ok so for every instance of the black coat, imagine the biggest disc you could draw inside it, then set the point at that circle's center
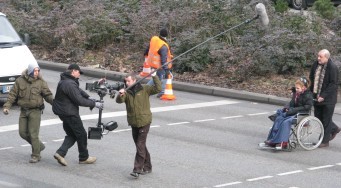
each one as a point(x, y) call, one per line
point(330, 83)
point(303, 104)
point(69, 96)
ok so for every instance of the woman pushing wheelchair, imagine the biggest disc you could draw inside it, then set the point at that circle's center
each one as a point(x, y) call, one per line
point(301, 102)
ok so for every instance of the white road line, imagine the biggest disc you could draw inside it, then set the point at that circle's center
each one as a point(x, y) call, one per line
point(6, 148)
point(58, 140)
point(178, 123)
point(203, 120)
point(256, 114)
point(228, 184)
point(338, 164)
point(288, 173)
point(7, 184)
point(25, 145)
point(229, 117)
point(123, 113)
point(320, 167)
point(259, 178)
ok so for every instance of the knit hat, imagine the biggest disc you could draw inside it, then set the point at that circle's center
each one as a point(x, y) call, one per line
point(31, 67)
point(163, 33)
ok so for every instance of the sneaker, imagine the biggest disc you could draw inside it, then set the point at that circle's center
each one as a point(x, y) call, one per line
point(144, 172)
point(159, 95)
point(90, 160)
point(135, 174)
point(60, 159)
point(282, 145)
point(34, 159)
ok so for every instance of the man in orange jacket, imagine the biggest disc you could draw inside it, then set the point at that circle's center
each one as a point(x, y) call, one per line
point(158, 54)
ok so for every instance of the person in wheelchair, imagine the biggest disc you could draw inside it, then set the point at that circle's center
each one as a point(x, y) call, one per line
point(301, 102)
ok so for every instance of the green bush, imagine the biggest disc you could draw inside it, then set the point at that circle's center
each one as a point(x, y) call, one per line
point(325, 8)
point(99, 32)
point(195, 61)
point(281, 6)
point(296, 23)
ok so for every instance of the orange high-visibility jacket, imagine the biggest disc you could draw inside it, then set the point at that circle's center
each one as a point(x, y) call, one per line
point(154, 58)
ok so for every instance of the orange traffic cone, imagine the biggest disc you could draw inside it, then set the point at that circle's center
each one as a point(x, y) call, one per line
point(168, 95)
point(146, 69)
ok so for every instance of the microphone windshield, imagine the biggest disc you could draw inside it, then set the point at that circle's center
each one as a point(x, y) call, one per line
point(261, 12)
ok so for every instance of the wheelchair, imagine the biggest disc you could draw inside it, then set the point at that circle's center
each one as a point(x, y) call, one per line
point(306, 131)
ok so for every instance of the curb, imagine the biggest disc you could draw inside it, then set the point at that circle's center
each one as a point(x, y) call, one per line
point(180, 86)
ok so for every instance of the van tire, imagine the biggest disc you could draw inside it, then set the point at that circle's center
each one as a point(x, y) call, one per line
point(298, 4)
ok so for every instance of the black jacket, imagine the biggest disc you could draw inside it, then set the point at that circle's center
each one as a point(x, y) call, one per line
point(69, 96)
point(330, 83)
point(303, 104)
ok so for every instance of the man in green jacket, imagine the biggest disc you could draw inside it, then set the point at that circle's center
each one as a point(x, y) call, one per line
point(29, 91)
point(139, 118)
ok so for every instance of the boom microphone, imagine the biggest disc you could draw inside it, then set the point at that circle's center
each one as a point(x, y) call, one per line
point(261, 12)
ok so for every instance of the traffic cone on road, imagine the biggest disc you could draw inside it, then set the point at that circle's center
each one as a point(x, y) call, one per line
point(168, 95)
point(146, 68)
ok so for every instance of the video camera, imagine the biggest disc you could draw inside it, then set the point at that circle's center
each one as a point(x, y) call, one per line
point(102, 87)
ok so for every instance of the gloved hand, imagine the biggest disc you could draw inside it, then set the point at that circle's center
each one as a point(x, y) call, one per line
point(93, 99)
point(112, 94)
point(99, 105)
point(6, 111)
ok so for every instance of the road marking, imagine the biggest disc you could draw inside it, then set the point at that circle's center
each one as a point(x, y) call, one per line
point(256, 114)
point(58, 140)
point(228, 184)
point(25, 145)
point(203, 120)
point(319, 167)
point(338, 164)
point(178, 123)
point(7, 184)
point(124, 113)
point(259, 178)
point(229, 117)
point(288, 173)
point(6, 148)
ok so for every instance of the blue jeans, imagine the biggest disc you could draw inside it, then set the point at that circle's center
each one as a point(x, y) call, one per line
point(162, 76)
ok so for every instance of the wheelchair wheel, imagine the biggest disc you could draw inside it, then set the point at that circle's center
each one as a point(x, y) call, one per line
point(310, 133)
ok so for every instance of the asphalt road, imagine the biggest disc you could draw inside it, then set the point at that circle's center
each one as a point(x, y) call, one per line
point(195, 141)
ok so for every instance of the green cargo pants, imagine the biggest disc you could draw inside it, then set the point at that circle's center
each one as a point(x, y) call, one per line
point(29, 126)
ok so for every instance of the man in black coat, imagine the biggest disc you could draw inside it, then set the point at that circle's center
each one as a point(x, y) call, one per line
point(66, 105)
point(324, 85)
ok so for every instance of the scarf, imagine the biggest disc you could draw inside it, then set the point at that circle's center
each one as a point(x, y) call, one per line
point(297, 95)
point(319, 76)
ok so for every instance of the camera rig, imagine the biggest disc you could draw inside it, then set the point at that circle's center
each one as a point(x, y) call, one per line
point(102, 87)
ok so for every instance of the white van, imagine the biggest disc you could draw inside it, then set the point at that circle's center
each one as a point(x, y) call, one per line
point(14, 56)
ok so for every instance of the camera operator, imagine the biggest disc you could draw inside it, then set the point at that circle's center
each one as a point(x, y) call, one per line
point(69, 96)
point(139, 118)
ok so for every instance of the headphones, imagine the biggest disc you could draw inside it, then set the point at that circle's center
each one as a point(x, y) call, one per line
point(304, 80)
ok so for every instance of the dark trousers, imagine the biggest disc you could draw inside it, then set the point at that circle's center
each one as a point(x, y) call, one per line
point(325, 114)
point(142, 157)
point(75, 132)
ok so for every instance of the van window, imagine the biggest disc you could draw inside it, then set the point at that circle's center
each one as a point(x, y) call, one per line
point(7, 32)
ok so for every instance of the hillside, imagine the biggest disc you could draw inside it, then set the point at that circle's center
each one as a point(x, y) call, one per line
point(113, 35)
